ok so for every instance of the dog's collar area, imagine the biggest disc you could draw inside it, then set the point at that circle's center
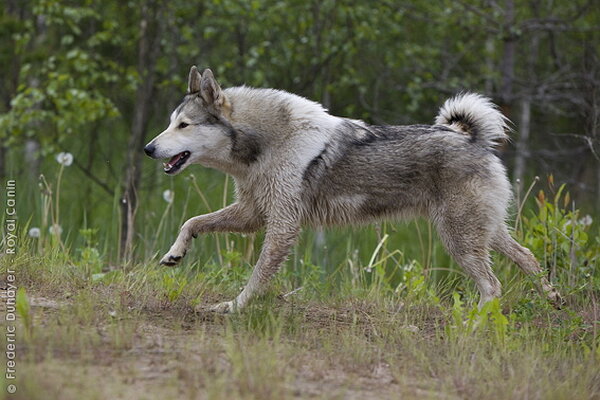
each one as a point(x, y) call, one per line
point(176, 162)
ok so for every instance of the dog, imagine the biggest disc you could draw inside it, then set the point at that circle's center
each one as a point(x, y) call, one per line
point(296, 165)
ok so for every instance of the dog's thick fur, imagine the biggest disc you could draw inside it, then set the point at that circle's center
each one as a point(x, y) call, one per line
point(294, 164)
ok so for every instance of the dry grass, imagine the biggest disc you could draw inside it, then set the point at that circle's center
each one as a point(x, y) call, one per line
point(127, 340)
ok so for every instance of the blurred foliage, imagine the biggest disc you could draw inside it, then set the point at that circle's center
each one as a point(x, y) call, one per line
point(61, 74)
point(76, 62)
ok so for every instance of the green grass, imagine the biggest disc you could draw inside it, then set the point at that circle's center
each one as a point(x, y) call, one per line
point(132, 333)
point(375, 312)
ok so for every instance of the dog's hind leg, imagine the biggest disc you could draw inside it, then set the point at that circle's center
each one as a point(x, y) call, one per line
point(476, 263)
point(233, 218)
point(466, 239)
point(503, 243)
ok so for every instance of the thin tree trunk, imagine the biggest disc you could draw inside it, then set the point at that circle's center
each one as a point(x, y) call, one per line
point(148, 51)
point(598, 188)
point(32, 145)
point(523, 142)
point(489, 64)
point(507, 66)
point(525, 120)
point(32, 158)
point(591, 111)
point(14, 9)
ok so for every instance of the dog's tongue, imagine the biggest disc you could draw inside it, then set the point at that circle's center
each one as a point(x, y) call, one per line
point(175, 158)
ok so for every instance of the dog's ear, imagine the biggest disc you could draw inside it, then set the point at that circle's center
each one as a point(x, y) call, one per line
point(211, 92)
point(194, 80)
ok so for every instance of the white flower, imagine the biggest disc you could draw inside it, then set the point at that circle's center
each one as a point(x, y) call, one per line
point(34, 232)
point(168, 195)
point(55, 230)
point(64, 159)
point(586, 221)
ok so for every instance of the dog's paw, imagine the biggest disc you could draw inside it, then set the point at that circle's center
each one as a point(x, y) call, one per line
point(171, 259)
point(174, 255)
point(227, 307)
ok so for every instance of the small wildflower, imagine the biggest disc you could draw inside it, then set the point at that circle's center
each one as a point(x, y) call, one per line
point(64, 159)
point(55, 229)
point(168, 195)
point(586, 221)
point(34, 232)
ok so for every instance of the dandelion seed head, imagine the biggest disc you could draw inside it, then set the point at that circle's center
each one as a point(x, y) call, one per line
point(55, 229)
point(64, 159)
point(34, 232)
point(168, 196)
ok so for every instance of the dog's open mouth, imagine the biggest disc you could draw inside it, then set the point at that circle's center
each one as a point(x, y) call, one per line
point(176, 162)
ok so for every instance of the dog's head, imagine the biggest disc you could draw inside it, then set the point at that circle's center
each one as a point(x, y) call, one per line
point(199, 131)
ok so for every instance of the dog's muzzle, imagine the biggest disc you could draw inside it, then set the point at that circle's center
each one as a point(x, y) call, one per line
point(149, 149)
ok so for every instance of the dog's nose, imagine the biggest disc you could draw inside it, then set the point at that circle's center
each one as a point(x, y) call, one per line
point(149, 149)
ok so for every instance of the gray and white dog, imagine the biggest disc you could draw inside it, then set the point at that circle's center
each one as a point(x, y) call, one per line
point(294, 164)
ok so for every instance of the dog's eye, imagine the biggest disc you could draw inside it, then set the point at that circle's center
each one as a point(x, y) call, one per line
point(182, 125)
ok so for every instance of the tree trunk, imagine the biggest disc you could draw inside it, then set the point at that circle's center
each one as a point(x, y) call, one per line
point(32, 145)
point(523, 142)
point(522, 154)
point(32, 158)
point(14, 9)
point(489, 64)
point(148, 51)
point(507, 66)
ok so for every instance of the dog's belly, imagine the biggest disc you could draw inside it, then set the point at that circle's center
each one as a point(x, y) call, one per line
point(358, 206)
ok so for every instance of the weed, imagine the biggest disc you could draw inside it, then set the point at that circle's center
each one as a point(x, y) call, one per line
point(24, 311)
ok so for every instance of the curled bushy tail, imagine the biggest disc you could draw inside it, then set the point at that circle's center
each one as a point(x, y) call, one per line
point(476, 116)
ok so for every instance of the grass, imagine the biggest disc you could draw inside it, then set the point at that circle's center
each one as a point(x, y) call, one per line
point(131, 333)
point(379, 312)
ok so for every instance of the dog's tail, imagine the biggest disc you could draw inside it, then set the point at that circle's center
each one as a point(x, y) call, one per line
point(476, 116)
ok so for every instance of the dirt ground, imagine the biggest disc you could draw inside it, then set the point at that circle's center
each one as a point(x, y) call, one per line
point(177, 356)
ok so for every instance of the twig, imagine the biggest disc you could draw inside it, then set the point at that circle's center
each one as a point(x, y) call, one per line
point(520, 209)
point(293, 292)
point(94, 178)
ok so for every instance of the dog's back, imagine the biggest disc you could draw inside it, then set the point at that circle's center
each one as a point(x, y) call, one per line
point(368, 172)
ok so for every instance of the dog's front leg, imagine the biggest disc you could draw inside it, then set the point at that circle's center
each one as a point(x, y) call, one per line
point(233, 218)
point(278, 242)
